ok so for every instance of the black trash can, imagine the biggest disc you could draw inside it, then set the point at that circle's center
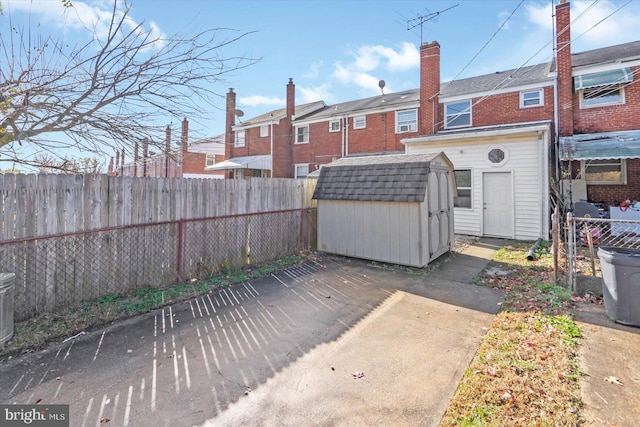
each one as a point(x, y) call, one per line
point(621, 283)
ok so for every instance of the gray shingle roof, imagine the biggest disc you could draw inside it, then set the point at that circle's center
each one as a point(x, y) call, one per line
point(387, 101)
point(533, 74)
point(395, 178)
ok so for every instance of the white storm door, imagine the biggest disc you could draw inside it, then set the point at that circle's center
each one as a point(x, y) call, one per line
point(497, 194)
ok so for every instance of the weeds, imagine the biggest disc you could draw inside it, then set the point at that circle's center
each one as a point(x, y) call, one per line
point(31, 334)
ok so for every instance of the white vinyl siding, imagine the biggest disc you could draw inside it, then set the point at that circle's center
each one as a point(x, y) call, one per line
point(525, 162)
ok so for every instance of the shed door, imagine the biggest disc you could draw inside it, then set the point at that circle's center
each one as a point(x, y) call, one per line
point(497, 197)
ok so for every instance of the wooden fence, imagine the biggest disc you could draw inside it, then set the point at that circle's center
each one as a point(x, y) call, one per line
point(70, 239)
point(45, 205)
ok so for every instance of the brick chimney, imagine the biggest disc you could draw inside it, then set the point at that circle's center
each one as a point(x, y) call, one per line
point(563, 67)
point(230, 121)
point(145, 155)
point(284, 138)
point(429, 88)
point(117, 161)
point(111, 172)
point(291, 99)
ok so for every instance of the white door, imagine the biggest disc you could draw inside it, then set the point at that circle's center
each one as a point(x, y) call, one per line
point(497, 197)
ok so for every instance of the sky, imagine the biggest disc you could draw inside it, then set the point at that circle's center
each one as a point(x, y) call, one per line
point(338, 51)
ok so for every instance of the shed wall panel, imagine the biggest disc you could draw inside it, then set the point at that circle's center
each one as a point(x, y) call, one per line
point(382, 231)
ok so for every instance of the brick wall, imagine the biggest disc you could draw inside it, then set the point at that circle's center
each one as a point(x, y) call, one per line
point(611, 117)
point(505, 108)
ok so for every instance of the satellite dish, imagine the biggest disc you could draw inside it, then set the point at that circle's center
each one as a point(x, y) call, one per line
point(381, 85)
point(239, 113)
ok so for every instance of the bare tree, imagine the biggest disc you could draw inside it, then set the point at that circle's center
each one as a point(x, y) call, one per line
point(65, 165)
point(110, 92)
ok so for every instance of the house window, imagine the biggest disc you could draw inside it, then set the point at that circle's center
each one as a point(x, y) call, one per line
point(458, 114)
point(406, 121)
point(532, 98)
point(239, 142)
point(334, 126)
point(496, 155)
point(264, 131)
point(210, 160)
point(597, 96)
point(360, 122)
point(302, 170)
point(302, 134)
point(463, 186)
point(605, 172)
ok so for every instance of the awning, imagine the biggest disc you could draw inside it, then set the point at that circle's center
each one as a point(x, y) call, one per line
point(601, 146)
point(246, 162)
point(604, 78)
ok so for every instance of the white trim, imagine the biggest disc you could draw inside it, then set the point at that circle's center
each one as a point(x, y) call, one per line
point(264, 128)
point(476, 133)
point(492, 147)
point(619, 87)
point(331, 122)
point(296, 134)
point(393, 108)
point(364, 119)
point(540, 97)
point(623, 172)
point(295, 170)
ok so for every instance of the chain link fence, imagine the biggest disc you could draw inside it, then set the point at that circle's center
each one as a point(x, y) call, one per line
point(64, 270)
point(584, 237)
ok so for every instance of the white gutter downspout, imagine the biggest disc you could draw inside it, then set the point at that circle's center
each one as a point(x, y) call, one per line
point(346, 131)
point(556, 128)
point(271, 148)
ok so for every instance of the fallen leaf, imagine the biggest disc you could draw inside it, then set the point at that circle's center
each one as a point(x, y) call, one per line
point(613, 380)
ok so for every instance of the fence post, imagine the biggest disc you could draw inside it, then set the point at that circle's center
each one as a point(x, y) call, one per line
point(555, 233)
point(180, 248)
point(571, 250)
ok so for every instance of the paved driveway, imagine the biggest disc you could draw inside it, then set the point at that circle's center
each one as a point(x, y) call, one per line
point(281, 350)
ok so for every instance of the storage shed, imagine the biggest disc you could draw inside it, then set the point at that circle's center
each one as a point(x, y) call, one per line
point(396, 208)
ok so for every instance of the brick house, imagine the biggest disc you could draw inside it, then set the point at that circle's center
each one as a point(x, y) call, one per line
point(182, 161)
point(504, 132)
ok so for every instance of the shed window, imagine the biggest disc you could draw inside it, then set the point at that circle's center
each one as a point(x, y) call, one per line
point(605, 172)
point(458, 114)
point(463, 186)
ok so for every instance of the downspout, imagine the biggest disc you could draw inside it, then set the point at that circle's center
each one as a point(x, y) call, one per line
point(342, 142)
point(346, 131)
point(271, 147)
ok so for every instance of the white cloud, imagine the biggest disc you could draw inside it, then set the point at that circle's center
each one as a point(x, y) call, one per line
point(369, 60)
point(587, 31)
point(316, 93)
point(94, 17)
point(257, 100)
point(314, 70)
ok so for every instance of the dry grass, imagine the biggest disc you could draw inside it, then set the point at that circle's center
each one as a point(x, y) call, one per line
point(525, 372)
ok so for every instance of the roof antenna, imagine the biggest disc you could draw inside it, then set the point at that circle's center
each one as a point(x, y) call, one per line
point(381, 85)
point(420, 20)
